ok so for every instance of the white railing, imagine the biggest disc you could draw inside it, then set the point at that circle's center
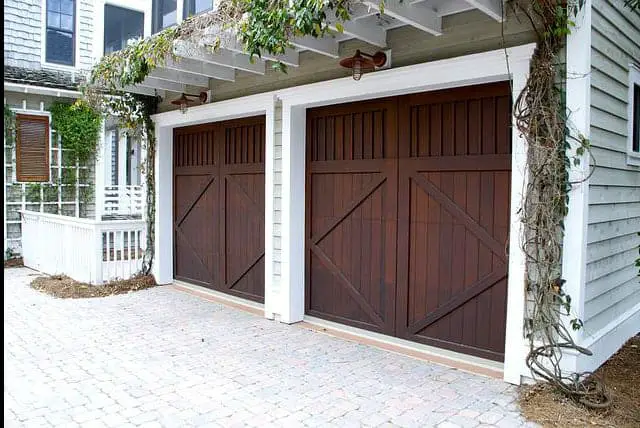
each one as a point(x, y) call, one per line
point(85, 250)
point(123, 200)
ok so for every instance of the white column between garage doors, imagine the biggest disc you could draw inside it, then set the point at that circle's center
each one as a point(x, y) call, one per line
point(461, 71)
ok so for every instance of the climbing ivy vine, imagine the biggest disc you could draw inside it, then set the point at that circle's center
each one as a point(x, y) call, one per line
point(9, 127)
point(78, 126)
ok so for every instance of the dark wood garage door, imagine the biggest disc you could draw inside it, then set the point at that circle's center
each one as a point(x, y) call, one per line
point(408, 216)
point(219, 206)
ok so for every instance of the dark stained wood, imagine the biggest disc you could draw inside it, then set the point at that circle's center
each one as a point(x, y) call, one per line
point(219, 206)
point(351, 195)
point(408, 216)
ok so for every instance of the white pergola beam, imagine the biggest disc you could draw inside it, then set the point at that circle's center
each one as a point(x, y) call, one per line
point(417, 16)
point(155, 83)
point(327, 46)
point(372, 34)
point(179, 76)
point(200, 68)
point(230, 41)
point(222, 57)
point(493, 8)
point(290, 56)
point(143, 90)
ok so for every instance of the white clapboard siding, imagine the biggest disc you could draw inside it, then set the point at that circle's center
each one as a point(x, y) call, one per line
point(277, 200)
point(613, 287)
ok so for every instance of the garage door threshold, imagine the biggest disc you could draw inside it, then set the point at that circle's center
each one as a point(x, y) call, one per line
point(408, 348)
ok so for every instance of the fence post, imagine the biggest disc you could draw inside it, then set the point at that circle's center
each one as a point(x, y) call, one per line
point(97, 256)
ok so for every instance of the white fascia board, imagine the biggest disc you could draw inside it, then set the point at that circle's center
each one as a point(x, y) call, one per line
point(465, 70)
point(40, 90)
point(235, 108)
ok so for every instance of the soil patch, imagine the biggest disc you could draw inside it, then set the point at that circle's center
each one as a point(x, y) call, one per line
point(67, 288)
point(15, 262)
point(621, 374)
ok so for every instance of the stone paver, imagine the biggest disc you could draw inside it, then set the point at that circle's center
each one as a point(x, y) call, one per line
point(161, 357)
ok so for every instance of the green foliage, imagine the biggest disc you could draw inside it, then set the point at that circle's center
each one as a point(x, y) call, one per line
point(132, 64)
point(9, 126)
point(632, 4)
point(78, 126)
point(32, 193)
point(268, 26)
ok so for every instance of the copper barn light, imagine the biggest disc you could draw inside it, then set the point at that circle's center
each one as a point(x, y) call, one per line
point(184, 102)
point(362, 62)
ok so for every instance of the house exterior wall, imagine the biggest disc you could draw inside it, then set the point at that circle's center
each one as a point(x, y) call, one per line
point(612, 291)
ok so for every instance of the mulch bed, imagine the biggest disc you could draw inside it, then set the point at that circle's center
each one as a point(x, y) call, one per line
point(67, 288)
point(621, 374)
point(15, 262)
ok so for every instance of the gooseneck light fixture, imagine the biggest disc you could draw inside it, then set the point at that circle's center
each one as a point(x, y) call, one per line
point(362, 62)
point(184, 102)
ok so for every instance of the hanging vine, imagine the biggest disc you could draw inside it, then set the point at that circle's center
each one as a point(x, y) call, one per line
point(540, 116)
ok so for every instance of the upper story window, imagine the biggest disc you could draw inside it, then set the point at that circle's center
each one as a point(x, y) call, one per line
point(60, 37)
point(194, 7)
point(164, 14)
point(120, 26)
point(633, 145)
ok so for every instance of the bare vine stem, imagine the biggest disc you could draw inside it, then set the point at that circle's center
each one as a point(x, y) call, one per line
point(540, 117)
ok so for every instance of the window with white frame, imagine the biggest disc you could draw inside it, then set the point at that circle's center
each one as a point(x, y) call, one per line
point(60, 32)
point(165, 14)
point(633, 145)
point(194, 7)
point(120, 26)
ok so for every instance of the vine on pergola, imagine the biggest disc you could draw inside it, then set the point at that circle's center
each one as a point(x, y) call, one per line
point(267, 26)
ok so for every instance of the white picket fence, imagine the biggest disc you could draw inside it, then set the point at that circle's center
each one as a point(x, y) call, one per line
point(85, 250)
point(123, 200)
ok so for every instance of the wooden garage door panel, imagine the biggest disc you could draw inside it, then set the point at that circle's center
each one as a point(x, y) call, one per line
point(351, 220)
point(458, 225)
point(350, 264)
point(220, 231)
point(408, 216)
point(244, 234)
point(195, 230)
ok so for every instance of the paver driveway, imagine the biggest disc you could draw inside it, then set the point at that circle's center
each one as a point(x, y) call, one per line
point(161, 357)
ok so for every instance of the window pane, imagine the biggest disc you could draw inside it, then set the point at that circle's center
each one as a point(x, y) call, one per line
point(194, 7)
point(66, 22)
point(66, 6)
point(168, 19)
point(53, 20)
point(53, 5)
point(164, 14)
point(120, 26)
point(59, 47)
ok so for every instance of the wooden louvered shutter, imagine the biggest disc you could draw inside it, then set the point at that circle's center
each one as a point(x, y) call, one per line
point(32, 147)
